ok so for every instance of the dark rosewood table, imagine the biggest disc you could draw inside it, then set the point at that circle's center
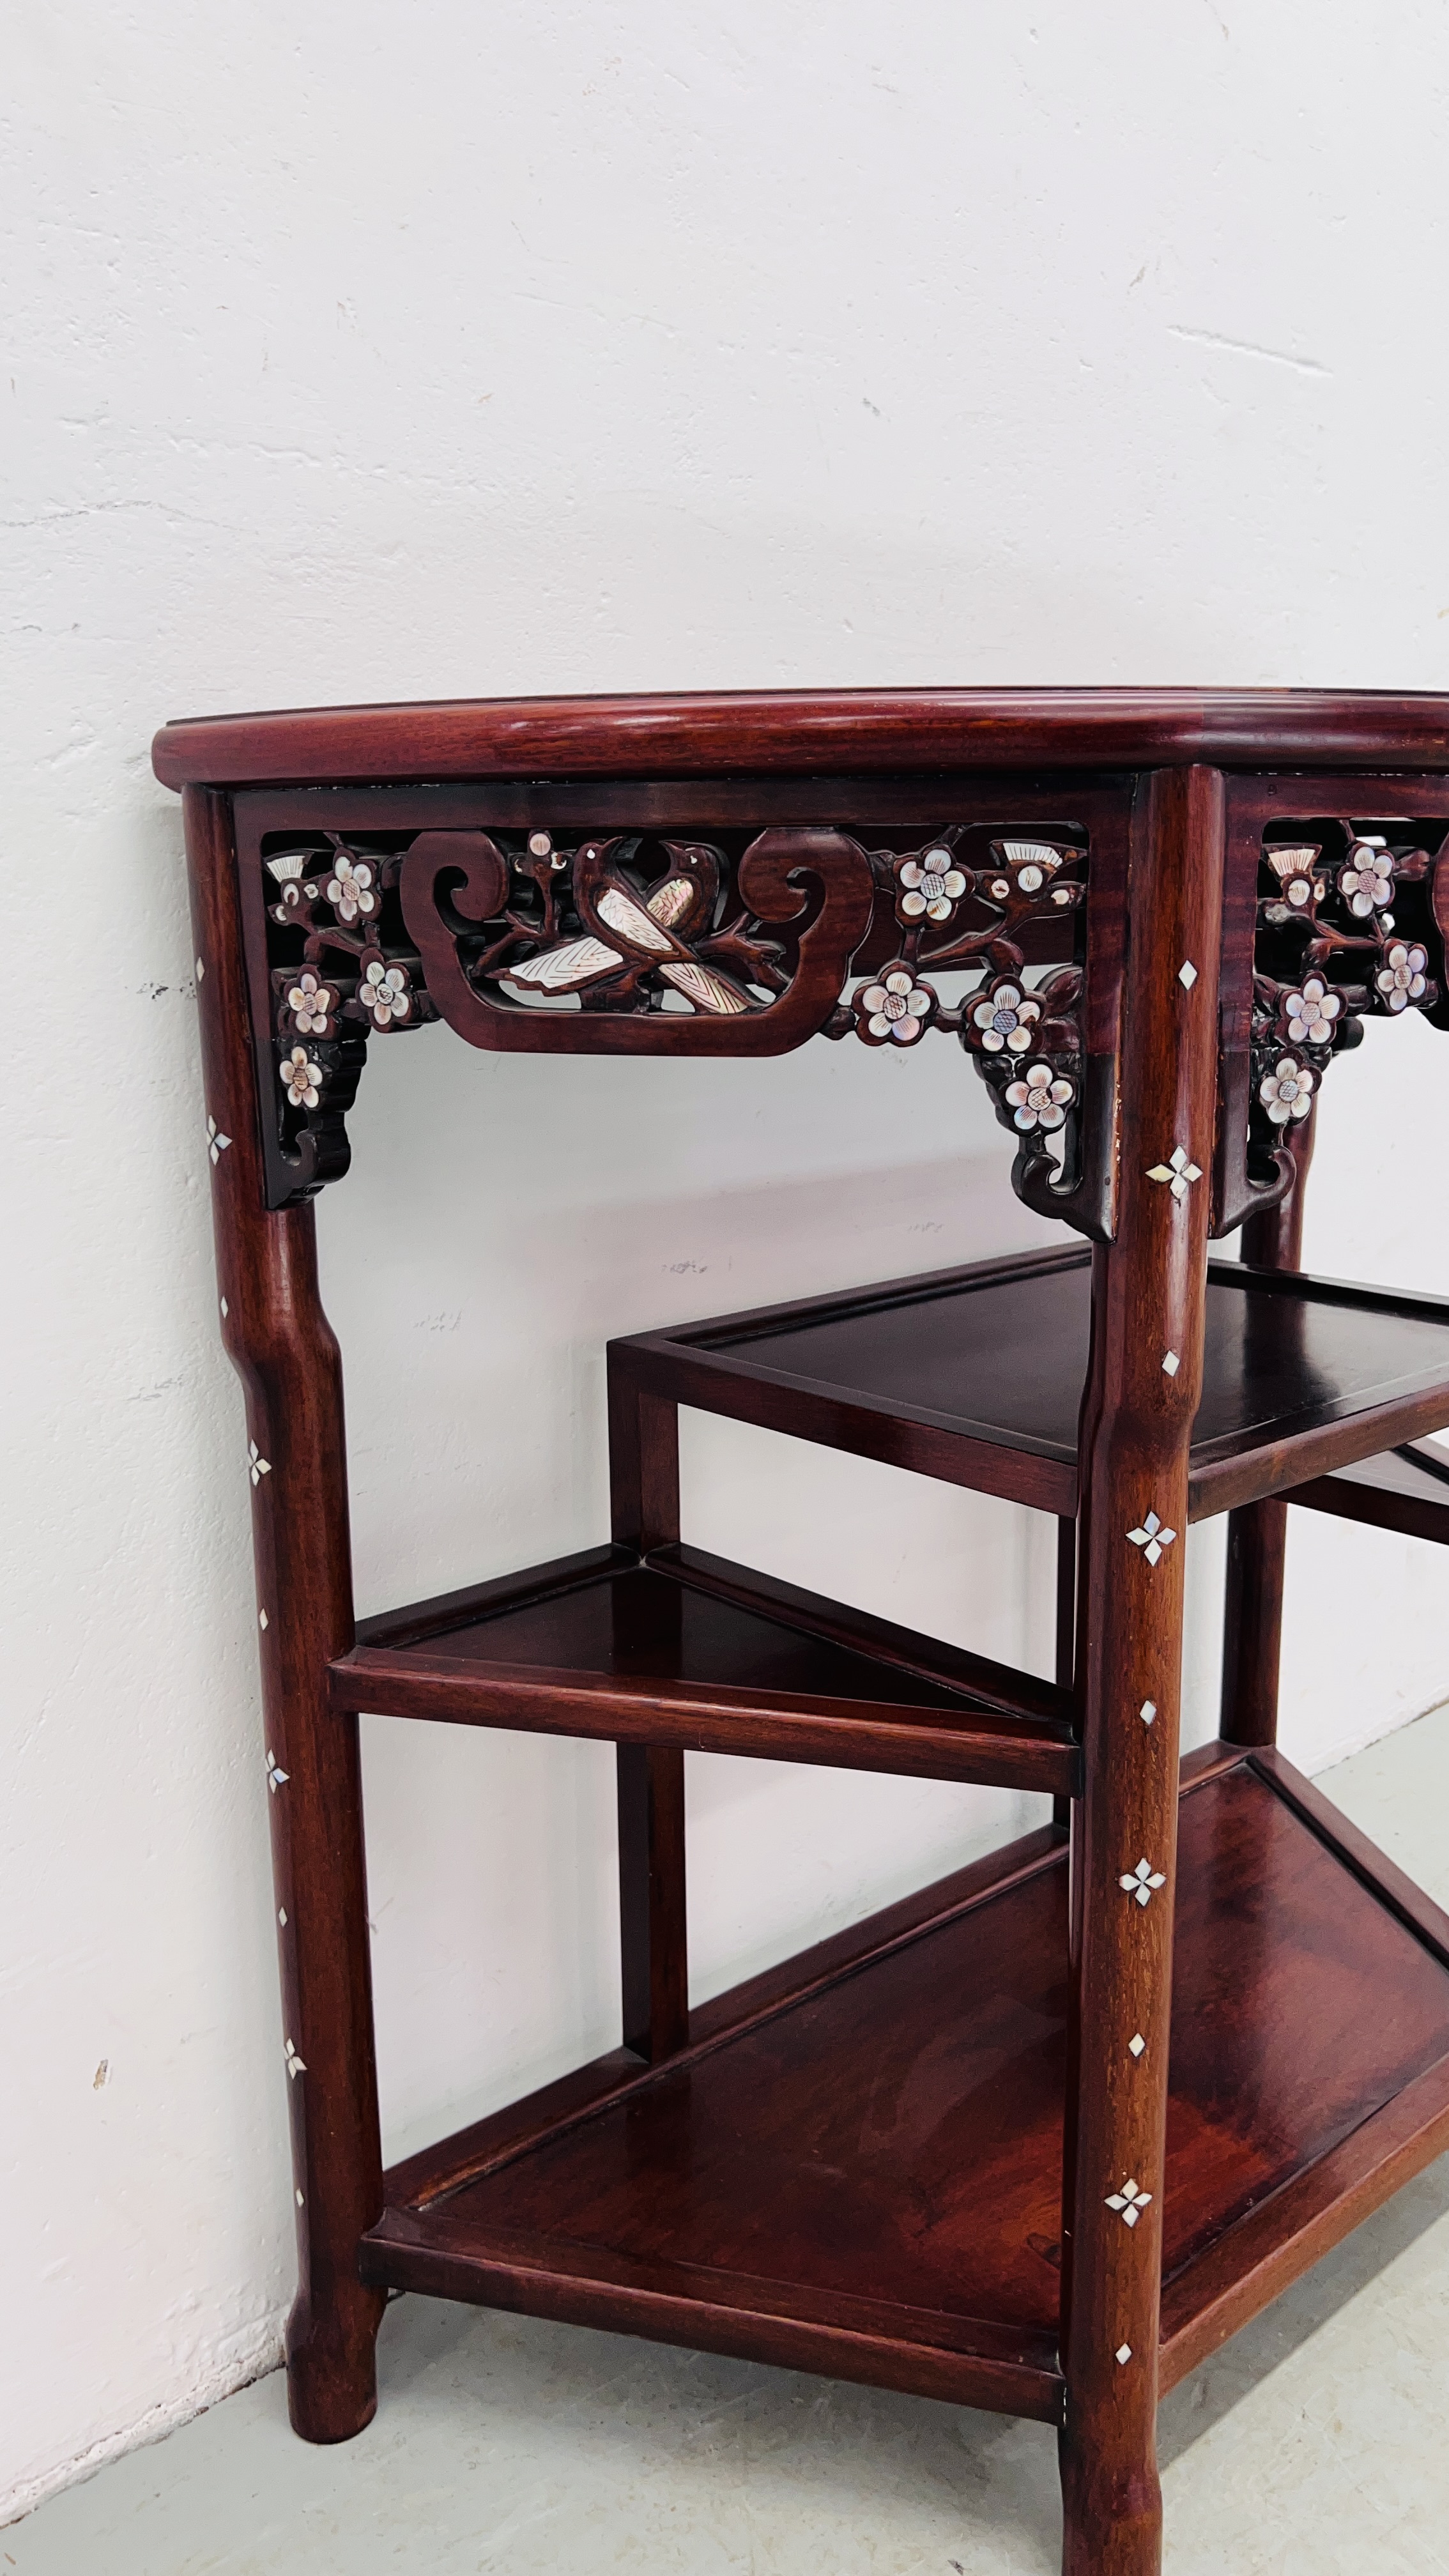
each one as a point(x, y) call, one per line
point(1042, 2136)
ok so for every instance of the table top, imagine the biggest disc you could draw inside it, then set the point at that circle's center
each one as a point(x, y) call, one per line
point(860, 731)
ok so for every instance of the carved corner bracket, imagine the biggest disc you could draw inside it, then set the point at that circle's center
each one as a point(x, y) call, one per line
point(1348, 927)
point(1025, 1040)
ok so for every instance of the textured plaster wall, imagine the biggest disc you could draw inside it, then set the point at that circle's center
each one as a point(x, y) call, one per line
point(358, 352)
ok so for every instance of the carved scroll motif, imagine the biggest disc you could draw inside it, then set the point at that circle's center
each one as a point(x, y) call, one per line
point(1350, 926)
point(641, 943)
point(651, 947)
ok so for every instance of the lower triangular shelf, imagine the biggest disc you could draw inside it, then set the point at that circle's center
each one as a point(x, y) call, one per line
point(856, 2167)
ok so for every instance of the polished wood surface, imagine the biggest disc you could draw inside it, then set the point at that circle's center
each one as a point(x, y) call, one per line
point(1137, 1419)
point(825, 730)
point(1403, 1489)
point(688, 1650)
point(1258, 1532)
point(945, 2151)
point(295, 1456)
point(864, 2167)
point(976, 1375)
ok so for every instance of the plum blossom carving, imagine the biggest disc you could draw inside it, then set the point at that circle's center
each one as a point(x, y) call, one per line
point(1368, 878)
point(311, 1005)
point(1039, 1098)
point(931, 885)
point(383, 992)
point(895, 1007)
point(351, 888)
point(1401, 978)
point(1309, 1015)
point(1287, 1092)
point(301, 1079)
point(1003, 1017)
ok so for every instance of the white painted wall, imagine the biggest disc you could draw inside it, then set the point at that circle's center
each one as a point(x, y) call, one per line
point(367, 352)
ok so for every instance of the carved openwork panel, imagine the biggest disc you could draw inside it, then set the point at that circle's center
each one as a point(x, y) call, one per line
point(719, 941)
point(1351, 919)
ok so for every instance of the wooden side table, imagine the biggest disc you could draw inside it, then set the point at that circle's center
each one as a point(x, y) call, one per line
point(989, 2146)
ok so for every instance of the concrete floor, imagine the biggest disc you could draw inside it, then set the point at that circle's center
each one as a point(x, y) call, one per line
point(1315, 2442)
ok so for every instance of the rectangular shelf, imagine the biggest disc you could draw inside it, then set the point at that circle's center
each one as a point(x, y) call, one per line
point(1403, 1489)
point(685, 1648)
point(975, 1375)
point(855, 2167)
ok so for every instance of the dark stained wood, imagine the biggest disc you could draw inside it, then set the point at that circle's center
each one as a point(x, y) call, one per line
point(884, 2344)
point(279, 1340)
point(824, 730)
point(487, 2143)
point(1065, 1658)
point(975, 1375)
point(1400, 1489)
point(1258, 1532)
point(1148, 1300)
point(911, 2155)
point(653, 1907)
point(688, 1651)
point(926, 1659)
point(1392, 1885)
point(841, 2174)
point(1272, 2246)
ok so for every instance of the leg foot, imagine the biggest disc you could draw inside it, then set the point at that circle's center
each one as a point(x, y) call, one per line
point(332, 2365)
point(1111, 2514)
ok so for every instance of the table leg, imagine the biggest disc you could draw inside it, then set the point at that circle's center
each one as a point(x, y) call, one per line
point(1142, 1392)
point(282, 1346)
point(1258, 1532)
point(653, 1923)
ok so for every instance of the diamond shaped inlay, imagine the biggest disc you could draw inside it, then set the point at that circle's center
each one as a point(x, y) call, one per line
point(1136, 2045)
point(1153, 1537)
point(1124, 2352)
point(1142, 1882)
point(275, 1774)
point(259, 1465)
point(1148, 1711)
point(1187, 974)
point(1178, 1173)
point(1171, 1363)
point(216, 1143)
point(1129, 2203)
point(295, 2065)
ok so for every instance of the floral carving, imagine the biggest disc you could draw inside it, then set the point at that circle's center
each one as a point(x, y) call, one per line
point(1401, 978)
point(1368, 878)
point(1287, 1092)
point(301, 1079)
point(604, 933)
point(311, 1005)
point(1343, 932)
point(1003, 1016)
point(931, 885)
point(1308, 1016)
point(1039, 1098)
point(350, 889)
point(383, 992)
point(896, 1007)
